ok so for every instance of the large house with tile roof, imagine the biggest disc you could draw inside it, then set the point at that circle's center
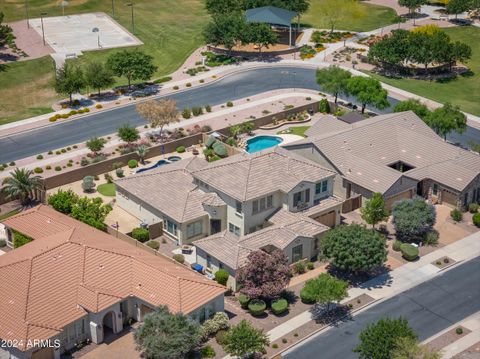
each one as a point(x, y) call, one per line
point(73, 282)
point(397, 155)
point(194, 199)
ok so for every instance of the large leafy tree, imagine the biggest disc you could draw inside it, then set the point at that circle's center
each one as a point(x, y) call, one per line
point(225, 29)
point(374, 210)
point(159, 113)
point(458, 6)
point(412, 218)
point(164, 335)
point(326, 289)
point(244, 340)
point(264, 276)
point(91, 211)
point(215, 7)
point(98, 76)
point(134, 65)
point(128, 133)
point(333, 79)
point(368, 91)
point(412, 5)
point(63, 201)
point(354, 248)
point(22, 184)
point(379, 339)
point(419, 108)
point(69, 80)
point(447, 119)
point(392, 50)
point(259, 34)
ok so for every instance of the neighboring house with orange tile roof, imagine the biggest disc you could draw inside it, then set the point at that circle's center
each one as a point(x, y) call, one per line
point(397, 155)
point(238, 194)
point(73, 282)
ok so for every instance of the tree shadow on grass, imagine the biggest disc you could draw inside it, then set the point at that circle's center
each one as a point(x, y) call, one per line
point(376, 278)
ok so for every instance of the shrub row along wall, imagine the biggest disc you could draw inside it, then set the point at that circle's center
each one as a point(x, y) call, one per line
point(102, 167)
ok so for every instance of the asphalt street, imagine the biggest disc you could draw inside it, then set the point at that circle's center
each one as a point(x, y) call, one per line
point(233, 87)
point(429, 308)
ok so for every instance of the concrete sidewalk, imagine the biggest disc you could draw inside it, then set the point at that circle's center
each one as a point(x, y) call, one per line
point(396, 281)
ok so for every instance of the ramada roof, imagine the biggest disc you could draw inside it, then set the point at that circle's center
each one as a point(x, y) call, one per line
point(171, 190)
point(70, 269)
point(248, 176)
point(363, 151)
point(286, 227)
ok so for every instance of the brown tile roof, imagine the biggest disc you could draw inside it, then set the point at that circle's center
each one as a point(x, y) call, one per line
point(364, 150)
point(71, 268)
point(248, 176)
point(170, 189)
point(286, 226)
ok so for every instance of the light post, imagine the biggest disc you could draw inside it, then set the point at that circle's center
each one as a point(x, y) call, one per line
point(113, 8)
point(26, 14)
point(294, 77)
point(43, 31)
point(133, 22)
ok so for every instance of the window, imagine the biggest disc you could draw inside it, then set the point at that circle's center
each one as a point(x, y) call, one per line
point(321, 187)
point(234, 229)
point(297, 253)
point(297, 199)
point(194, 229)
point(435, 189)
point(269, 201)
point(324, 186)
point(238, 206)
point(220, 265)
point(170, 227)
point(307, 195)
point(209, 261)
point(255, 207)
point(262, 204)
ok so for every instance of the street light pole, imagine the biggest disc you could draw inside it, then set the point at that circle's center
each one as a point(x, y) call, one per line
point(43, 31)
point(133, 22)
point(26, 13)
point(113, 8)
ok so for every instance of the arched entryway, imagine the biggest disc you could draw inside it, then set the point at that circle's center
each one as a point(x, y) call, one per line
point(108, 324)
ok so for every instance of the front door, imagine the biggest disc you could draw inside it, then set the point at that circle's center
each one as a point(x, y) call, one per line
point(297, 253)
point(215, 226)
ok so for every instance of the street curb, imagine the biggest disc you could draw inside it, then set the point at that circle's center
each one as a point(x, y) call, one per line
point(326, 327)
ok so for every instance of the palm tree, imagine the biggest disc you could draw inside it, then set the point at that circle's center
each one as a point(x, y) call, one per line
point(142, 151)
point(22, 185)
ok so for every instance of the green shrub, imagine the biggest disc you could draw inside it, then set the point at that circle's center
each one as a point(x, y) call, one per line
point(307, 294)
point(476, 219)
point(299, 267)
point(229, 104)
point(119, 172)
point(456, 215)
point(207, 352)
point(310, 265)
point(324, 106)
point(58, 168)
point(208, 108)
point(243, 300)
point(20, 239)
point(162, 80)
point(396, 245)
point(210, 142)
point(409, 252)
point(186, 113)
point(221, 276)
point(197, 111)
point(153, 244)
point(279, 306)
point(284, 340)
point(212, 326)
point(12, 163)
point(257, 307)
point(220, 336)
point(431, 238)
point(141, 234)
point(48, 167)
point(220, 150)
point(38, 170)
point(180, 149)
point(459, 331)
point(180, 258)
point(39, 157)
point(176, 87)
point(132, 164)
point(3, 243)
point(215, 158)
point(473, 207)
point(274, 346)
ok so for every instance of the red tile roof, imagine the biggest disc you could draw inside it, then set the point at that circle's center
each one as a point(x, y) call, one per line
point(71, 268)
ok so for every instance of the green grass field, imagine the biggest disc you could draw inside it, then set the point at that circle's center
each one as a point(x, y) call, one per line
point(170, 29)
point(298, 130)
point(463, 91)
point(107, 189)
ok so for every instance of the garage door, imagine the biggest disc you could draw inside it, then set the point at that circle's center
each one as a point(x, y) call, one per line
point(144, 310)
point(44, 353)
point(328, 219)
point(449, 198)
point(391, 200)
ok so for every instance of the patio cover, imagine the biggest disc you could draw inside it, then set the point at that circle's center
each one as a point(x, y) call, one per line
point(270, 15)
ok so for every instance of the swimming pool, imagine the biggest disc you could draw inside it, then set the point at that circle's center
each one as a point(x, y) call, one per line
point(259, 143)
point(158, 164)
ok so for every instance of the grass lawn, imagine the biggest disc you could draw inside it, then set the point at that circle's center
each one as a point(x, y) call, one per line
point(373, 17)
point(107, 189)
point(299, 131)
point(463, 91)
point(6, 215)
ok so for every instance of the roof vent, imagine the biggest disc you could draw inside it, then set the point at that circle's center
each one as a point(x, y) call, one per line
point(375, 180)
point(101, 266)
point(418, 156)
point(359, 173)
point(459, 179)
point(404, 151)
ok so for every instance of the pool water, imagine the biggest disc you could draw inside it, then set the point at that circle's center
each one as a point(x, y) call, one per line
point(260, 143)
point(158, 164)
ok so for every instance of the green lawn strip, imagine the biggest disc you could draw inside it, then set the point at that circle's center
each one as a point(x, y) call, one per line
point(463, 90)
point(299, 131)
point(374, 17)
point(6, 215)
point(107, 189)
